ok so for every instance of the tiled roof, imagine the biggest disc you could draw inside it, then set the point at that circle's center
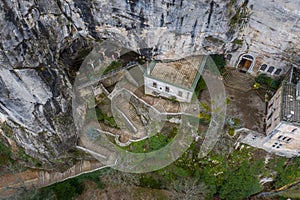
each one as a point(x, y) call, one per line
point(290, 106)
point(182, 72)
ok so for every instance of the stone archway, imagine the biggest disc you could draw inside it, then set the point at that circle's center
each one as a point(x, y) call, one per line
point(246, 63)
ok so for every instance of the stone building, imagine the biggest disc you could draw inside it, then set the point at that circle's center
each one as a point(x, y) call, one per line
point(174, 79)
point(283, 118)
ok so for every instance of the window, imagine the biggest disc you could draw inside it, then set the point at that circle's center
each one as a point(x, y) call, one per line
point(263, 67)
point(278, 71)
point(271, 104)
point(270, 116)
point(276, 145)
point(284, 139)
point(167, 89)
point(271, 69)
point(154, 85)
point(180, 93)
point(277, 96)
point(294, 130)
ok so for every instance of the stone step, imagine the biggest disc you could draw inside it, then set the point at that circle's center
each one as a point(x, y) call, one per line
point(238, 80)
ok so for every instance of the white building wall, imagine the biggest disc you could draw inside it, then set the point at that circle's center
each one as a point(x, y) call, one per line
point(161, 90)
point(273, 114)
point(284, 140)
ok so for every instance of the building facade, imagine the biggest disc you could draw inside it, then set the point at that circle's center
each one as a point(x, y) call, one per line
point(174, 79)
point(283, 119)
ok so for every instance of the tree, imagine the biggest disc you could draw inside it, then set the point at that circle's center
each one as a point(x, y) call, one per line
point(241, 183)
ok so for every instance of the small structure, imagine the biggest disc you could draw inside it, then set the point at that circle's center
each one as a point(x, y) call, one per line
point(174, 79)
point(283, 121)
point(246, 63)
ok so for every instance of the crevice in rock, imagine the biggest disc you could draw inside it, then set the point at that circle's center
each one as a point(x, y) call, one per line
point(72, 56)
point(211, 10)
point(86, 14)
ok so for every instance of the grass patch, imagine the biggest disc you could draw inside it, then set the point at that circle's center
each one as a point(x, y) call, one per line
point(153, 143)
point(6, 129)
point(101, 117)
point(238, 42)
point(5, 154)
point(293, 192)
point(113, 66)
point(201, 85)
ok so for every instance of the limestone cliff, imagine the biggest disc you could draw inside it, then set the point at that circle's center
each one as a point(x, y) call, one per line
point(43, 43)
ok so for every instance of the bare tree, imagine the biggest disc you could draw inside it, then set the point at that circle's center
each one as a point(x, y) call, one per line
point(190, 189)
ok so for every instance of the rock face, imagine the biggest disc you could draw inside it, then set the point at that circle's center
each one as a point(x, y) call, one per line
point(43, 42)
point(270, 36)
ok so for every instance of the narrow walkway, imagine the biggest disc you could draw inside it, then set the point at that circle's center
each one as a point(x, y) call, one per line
point(31, 179)
point(95, 80)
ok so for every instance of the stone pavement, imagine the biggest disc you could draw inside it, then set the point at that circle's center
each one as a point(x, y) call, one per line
point(238, 80)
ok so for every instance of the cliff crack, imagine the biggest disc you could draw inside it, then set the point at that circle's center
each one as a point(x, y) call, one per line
point(210, 13)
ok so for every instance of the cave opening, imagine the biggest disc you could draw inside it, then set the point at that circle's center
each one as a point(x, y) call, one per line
point(245, 63)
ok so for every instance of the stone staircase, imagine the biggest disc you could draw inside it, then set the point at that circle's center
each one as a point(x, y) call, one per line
point(238, 80)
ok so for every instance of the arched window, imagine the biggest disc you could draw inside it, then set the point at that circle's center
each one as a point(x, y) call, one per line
point(246, 63)
point(263, 67)
point(278, 71)
point(248, 56)
point(271, 69)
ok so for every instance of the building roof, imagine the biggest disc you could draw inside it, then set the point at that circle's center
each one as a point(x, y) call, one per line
point(181, 73)
point(290, 107)
point(295, 75)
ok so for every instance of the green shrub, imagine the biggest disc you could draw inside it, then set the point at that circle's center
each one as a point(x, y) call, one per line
point(113, 66)
point(261, 78)
point(65, 190)
point(230, 131)
point(287, 174)
point(272, 83)
point(219, 61)
point(201, 85)
point(238, 42)
point(5, 154)
point(240, 184)
point(4, 150)
point(149, 181)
